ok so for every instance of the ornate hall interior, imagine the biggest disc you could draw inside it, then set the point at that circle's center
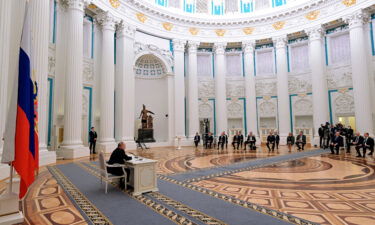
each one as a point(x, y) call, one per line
point(151, 77)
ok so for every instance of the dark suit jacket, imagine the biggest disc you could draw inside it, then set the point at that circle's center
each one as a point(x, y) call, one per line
point(277, 138)
point(118, 156)
point(271, 138)
point(370, 142)
point(210, 139)
point(222, 139)
point(92, 136)
point(301, 138)
point(236, 138)
point(321, 131)
point(240, 138)
point(197, 138)
point(251, 139)
point(290, 140)
point(338, 140)
point(360, 140)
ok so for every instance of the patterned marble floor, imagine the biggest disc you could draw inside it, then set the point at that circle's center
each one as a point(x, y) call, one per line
point(324, 189)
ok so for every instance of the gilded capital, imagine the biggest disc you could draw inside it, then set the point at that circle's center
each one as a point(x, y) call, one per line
point(193, 46)
point(124, 29)
point(73, 4)
point(280, 42)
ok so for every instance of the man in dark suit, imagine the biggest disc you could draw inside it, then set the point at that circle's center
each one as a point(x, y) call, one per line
point(277, 140)
point(321, 135)
point(349, 138)
point(336, 142)
point(226, 140)
point(197, 139)
point(209, 140)
point(222, 141)
point(368, 143)
point(357, 142)
point(236, 141)
point(119, 156)
point(251, 140)
point(240, 139)
point(301, 141)
point(92, 140)
point(271, 141)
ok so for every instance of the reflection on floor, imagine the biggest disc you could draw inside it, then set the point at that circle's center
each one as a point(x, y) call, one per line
point(323, 189)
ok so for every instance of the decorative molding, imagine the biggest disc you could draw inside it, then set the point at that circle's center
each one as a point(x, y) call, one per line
point(339, 77)
point(88, 71)
point(193, 31)
point(167, 26)
point(106, 20)
point(219, 48)
point(193, 46)
point(267, 109)
point(344, 104)
point(278, 25)
point(220, 32)
point(248, 30)
point(205, 110)
point(248, 46)
point(265, 87)
point(356, 19)
point(349, 2)
point(280, 42)
point(153, 49)
point(303, 107)
point(313, 15)
point(206, 89)
point(179, 45)
point(315, 33)
point(115, 3)
point(73, 4)
point(235, 89)
point(141, 17)
point(300, 84)
point(125, 30)
point(234, 110)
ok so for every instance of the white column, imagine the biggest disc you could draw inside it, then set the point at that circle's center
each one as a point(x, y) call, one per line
point(282, 88)
point(360, 73)
point(250, 93)
point(171, 115)
point(124, 85)
point(193, 89)
point(220, 88)
point(318, 79)
point(5, 29)
point(72, 146)
point(39, 45)
point(179, 87)
point(107, 83)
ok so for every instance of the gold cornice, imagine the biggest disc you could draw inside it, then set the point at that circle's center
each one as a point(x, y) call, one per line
point(248, 30)
point(312, 15)
point(349, 2)
point(141, 17)
point(115, 3)
point(220, 32)
point(193, 31)
point(278, 25)
point(167, 26)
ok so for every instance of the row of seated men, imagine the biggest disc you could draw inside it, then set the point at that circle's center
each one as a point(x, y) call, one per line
point(364, 142)
point(238, 141)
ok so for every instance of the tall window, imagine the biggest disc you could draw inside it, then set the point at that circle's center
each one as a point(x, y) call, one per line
point(87, 37)
point(189, 6)
point(339, 48)
point(276, 3)
point(299, 57)
point(174, 3)
point(246, 6)
point(162, 2)
point(262, 4)
point(217, 7)
point(265, 62)
point(204, 64)
point(234, 64)
point(231, 6)
point(202, 6)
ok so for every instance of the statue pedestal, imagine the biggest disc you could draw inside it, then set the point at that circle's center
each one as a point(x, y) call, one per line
point(146, 135)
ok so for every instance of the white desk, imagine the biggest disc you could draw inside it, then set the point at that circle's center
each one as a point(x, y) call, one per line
point(143, 175)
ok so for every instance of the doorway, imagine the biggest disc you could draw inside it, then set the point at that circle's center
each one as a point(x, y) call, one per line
point(347, 121)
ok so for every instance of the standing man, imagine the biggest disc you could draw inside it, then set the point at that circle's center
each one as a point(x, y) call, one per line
point(336, 143)
point(368, 143)
point(92, 140)
point(226, 140)
point(240, 139)
point(271, 141)
point(349, 138)
point(197, 139)
point(321, 135)
point(301, 141)
point(277, 140)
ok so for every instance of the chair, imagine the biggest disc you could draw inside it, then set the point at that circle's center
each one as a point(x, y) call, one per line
point(107, 176)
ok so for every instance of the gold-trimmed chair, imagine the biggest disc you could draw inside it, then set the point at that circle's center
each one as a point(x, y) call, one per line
point(107, 177)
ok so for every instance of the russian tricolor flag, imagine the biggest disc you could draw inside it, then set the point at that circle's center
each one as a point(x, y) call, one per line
point(21, 136)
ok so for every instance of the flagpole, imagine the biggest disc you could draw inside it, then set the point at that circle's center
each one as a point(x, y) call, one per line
point(10, 189)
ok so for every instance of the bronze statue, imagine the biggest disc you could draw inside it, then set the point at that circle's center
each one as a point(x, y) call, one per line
point(144, 116)
point(150, 123)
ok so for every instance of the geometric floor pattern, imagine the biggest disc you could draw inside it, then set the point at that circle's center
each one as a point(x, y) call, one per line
point(323, 189)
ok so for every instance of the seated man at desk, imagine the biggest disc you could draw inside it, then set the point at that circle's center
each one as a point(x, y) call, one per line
point(119, 156)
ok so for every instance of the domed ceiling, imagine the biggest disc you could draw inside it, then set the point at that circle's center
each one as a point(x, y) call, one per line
point(225, 7)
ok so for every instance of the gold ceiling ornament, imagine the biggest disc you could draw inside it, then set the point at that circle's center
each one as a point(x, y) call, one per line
point(302, 95)
point(168, 26)
point(194, 31)
point(343, 90)
point(92, 6)
point(349, 2)
point(220, 32)
point(312, 15)
point(248, 30)
point(267, 97)
point(278, 25)
point(115, 3)
point(141, 17)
